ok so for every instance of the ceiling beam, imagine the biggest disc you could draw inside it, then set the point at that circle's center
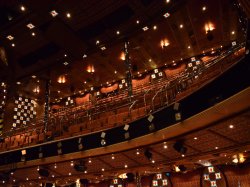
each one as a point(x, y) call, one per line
point(223, 136)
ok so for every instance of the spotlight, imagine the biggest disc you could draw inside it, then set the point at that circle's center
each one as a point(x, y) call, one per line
point(126, 127)
point(80, 146)
point(150, 118)
point(151, 127)
point(148, 154)
point(178, 146)
point(59, 148)
point(23, 152)
point(127, 135)
point(103, 142)
point(103, 134)
point(176, 108)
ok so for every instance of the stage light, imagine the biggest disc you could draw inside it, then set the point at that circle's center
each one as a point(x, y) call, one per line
point(126, 127)
point(103, 142)
point(151, 127)
point(127, 135)
point(59, 148)
point(23, 152)
point(150, 118)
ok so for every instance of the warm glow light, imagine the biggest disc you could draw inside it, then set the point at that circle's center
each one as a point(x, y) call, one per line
point(164, 43)
point(36, 90)
point(90, 69)
point(61, 79)
point(122, 56)
point(232, 32)
point(209, 27)
point(22, 8)
point(68, 15)
point(204, 8)
point(181, 26)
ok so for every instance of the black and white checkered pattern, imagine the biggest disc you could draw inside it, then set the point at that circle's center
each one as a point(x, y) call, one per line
point(24, 111)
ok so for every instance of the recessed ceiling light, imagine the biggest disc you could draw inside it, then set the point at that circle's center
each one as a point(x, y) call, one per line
point(166, 15)
point(33, 34)
point(167, 1)
point(204, 8)
point(137, 21)
point(22, 8)
point(103, 169)
point(13, 45)
point(52, 176)
point(33, 76)
point(10, 37)
point(189, 47)
point(153, 161)
point(150, 60)
point(115, 72)
point(117, 32)
point(216, 147)
point(66, 63)
point(125, 165)
point(145, 28)
point(181, 26)
point(53, 13)
point(154, 27)
point(68, 15)
point(27, 178)
point(232, 32)
point(69, 174)
point(231, 126)
point(195, 138)
point(84, 56)
point(183, 155)
point(137, 152)
point(30, 26)
point(97, 42)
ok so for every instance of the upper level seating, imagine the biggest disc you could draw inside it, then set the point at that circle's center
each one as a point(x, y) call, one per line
point(118, 109)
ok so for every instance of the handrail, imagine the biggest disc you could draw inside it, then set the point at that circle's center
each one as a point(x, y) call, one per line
point(131, 106)
point(160, 90)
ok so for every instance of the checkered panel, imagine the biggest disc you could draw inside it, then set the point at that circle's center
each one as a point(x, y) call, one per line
point(24, 111)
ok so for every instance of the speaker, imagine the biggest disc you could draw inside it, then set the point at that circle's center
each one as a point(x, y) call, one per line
point(130, 177)
point(210, 36)
point(43, 172)
point(148, 154)
point(182, 168)
point(178, 146)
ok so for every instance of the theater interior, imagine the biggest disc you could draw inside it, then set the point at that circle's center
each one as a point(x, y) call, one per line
point(119, 93)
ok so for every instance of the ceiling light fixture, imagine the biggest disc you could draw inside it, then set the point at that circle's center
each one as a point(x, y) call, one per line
point(103, 48)
point(18, 83)
point(122, 56)
point(204, 8)
point(145, 28)
point(209, 27)
point(22, 8)
point(164, 43)
point(97, 42)
point(231, 126)
point(166, 15)
point(33, 34)
point(84, 56)
point(13, 45)
point(189, 47)
point(10, 37)
point(53, 13)
point(61, 79)
point(154, 27)
point(30, 26)
point(232, 32)
point(137, 21)
point(117, 32)
point(66, 63)
point(181, 26)
point(68, 15)
point(167, 1)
